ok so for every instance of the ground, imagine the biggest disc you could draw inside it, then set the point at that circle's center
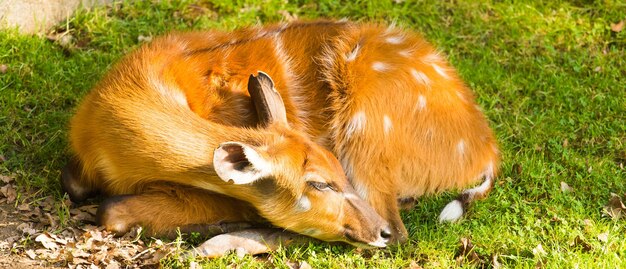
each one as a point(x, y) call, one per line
point(549, 76)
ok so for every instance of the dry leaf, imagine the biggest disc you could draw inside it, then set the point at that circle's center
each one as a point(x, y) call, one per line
point(26, 228)
point(465, 253)
point(414, 265)
point(142, 38)
point(304, 265)
point(47, 241)
point(566, 188)
point(617, 27)
point(603, 237)
point(615, 208)
point(24, 207)
point(4, 178)
point(31, 254)
point(579, 242)
point(495, 263)
point(9, 192)
point(538, 251)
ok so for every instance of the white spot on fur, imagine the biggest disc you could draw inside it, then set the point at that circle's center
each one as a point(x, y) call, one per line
point(406, 53)
point(170, 94)
point(420, 77)
point(360, 189)
point(460, 147)
point(303, 204)
point(380, 67)
point(379, 243)
point(460, 95)
point(351, 56)
point(351, 196)
point(452, 212)
point(421, 102)
point(394, 40)
point(431, 58)
point(357, 124)
point(387, 124)
point(440, 71)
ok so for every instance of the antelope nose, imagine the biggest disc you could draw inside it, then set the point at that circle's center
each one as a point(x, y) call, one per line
point(385, 233)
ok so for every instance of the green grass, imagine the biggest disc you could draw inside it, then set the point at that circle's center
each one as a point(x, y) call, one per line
point(550, 76)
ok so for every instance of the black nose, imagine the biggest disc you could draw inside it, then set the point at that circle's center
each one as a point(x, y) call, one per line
point(385, 233)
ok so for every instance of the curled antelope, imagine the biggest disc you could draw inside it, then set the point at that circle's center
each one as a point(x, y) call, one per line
point(319, 127)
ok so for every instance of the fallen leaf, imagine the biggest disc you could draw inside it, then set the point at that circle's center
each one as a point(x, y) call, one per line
point(26, 228)
point(603, 237)
point(9, 192)
point(495, 263)
point(617, 27)
point(580, 242)
point(466, 254)
point(4, 178)
point(31, 254)
point(47, 241)
point(24, 207)
point(304, 265)
point(414, 265)
point(113, 265)
point(566, 188)
point(142, 38)
point(615, 208)
point(539, 251)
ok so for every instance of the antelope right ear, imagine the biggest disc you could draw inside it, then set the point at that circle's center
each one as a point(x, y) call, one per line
point(266, 100)
point(240, 163)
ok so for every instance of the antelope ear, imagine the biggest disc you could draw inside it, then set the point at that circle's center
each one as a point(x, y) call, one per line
point(266, 100)
point(240, 163)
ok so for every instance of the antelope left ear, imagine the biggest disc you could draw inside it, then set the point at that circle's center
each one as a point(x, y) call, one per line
point(240, 163)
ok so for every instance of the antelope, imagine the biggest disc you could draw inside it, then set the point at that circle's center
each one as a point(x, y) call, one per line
point(321, 127)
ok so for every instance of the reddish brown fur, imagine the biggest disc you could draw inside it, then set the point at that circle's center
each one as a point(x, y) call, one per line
point(129, 134)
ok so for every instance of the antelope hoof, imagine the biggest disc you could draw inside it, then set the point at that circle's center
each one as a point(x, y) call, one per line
point(71, 184)
point(115, 215)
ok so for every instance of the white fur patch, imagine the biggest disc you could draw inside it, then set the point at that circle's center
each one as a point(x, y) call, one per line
point(303, 204)
point(380, 67)
point(460, 147)
point(420, 77)
point(360, 189)
point(379, 243)
point(460, 95)
point(387, 124)
point(351, 196)
point(171, 94)
point(431, 58)
point(452, 212)
point(357, 124)
point(351, 56)
point(421, 102)
point(406, 53)
point(394, 40)
point(440, 71)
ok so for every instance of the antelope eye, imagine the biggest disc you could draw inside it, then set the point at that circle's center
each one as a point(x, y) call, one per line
point(321, 186)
